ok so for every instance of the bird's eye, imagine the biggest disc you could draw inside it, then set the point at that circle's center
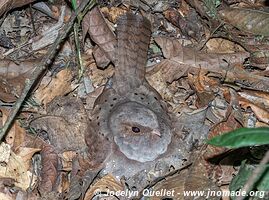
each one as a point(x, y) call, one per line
point(135, 129)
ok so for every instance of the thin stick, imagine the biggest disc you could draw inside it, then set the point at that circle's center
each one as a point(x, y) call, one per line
point(256, 175)
point(46, 61)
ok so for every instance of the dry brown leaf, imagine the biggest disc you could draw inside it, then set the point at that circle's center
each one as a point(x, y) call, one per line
point(67, 159)
point(220, 45)
point(27, 154)
point(189, 24)
point(12, 78)
point(7, 5)
point(156, 78)
point(204, 88)
point(174, 183)
point(261, 113)
point(182, 59)
point(107, 183)
point(9, 69)
point(49, 169)
point(49, 163)
point(18, 170)
point(100, 77)
point(198, 179)
point(102, 35)
point(66, 123)
point(112, 13)
point(228, 125)
point(5, 150)
point(15, 136)
point(214, 62)
point(250, 21)
point(204, 174)
point(5, 197)
point(58, 86)
point(224, 65)
point(11, 88)
point(258, 98)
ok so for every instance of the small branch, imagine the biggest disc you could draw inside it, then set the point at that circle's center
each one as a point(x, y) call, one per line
point(256, 175)
point(46, 61)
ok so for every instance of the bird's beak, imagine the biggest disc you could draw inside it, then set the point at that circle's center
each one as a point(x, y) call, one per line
point(156, 133)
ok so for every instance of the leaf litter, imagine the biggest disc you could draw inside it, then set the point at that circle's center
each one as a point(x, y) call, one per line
point(212, 84)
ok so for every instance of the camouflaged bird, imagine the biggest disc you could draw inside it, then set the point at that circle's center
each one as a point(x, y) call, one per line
point(130, 132)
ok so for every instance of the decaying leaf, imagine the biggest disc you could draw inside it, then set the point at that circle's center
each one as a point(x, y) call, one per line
point(261, 113)
point(113, 13)
point(65, 124)
point(17, 164)
point(260, 58)
point(107, 183)
point(67, 159)
point(173, 183)
point(49, 169)
point(11, 88)
point(204, 88)
point(10, 69)
point(101, 34)
point(53, 87)
point(7, 5)
point(250, 21)
point(18, 169)
point(183, 59)
point(221, 64)
point(12, 78)
point(49, 162)
point(219, 45)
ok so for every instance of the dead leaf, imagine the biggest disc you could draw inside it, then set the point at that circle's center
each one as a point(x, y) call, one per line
point(204, 88)
point(225, 65)
point(27, 154)
point(5, 150)
point(174, 183)
point(67, 159)
point(198, 179)
point(7, 5)
point(15, 136)
point(107, 183)
point(52, 87)
point(250, 21)
point(220, 45)
point(19, 171)
point(112, 13)
point(5, 197)
point(10, 69)
point(7, 191)
point(100, 77)
point(66, 123)
point(94, 23)
point(189, 24)
point(261, 113)
point(49, 163)
point(49, 169)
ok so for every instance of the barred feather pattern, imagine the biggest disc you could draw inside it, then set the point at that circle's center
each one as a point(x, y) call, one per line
point(133, 36)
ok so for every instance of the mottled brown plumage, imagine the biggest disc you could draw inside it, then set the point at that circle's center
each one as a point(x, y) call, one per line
point(130, 132)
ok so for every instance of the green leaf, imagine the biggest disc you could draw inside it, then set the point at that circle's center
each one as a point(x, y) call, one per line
point(74, 4)
point(242, 137)
point(263, 184)
point(243, 175)
point(241, 178)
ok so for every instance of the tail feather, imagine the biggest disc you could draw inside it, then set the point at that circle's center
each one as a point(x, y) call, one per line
point(133, 34)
